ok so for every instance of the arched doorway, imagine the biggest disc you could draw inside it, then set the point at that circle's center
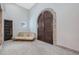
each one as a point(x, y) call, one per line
point(45, 27)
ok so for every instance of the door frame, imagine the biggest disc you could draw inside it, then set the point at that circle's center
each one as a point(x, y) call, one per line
point(54, 23)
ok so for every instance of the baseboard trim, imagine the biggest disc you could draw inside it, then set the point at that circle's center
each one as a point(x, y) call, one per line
point(68, 48)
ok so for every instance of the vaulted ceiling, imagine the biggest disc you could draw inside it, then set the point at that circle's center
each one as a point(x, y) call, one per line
point(26, 5)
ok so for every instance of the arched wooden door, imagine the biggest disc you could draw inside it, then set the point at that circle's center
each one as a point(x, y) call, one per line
point(45, 27)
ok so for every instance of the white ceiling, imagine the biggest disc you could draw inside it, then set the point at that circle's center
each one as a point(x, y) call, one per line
point(26, 5)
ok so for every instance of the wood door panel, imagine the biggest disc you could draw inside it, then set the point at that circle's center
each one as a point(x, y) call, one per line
point(41, 28)
point(48, 27)
point(45, 32)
